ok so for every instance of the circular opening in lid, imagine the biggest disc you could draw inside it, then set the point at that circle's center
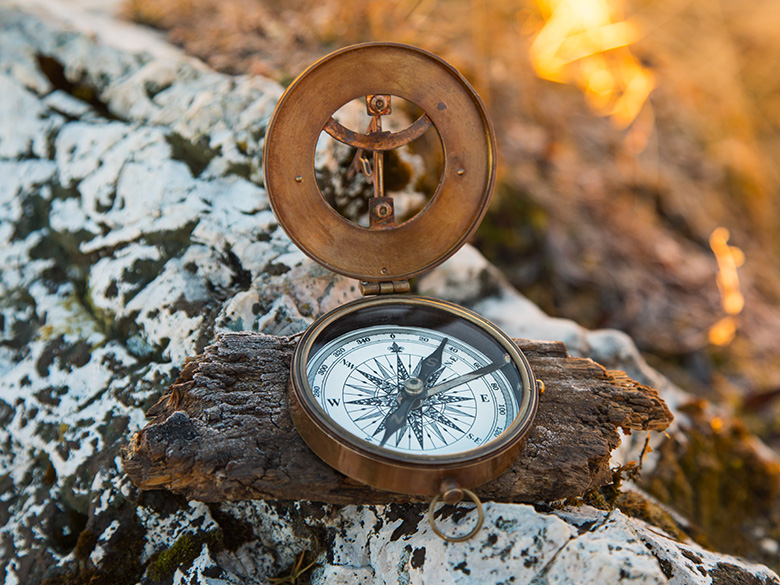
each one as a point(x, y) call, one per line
point(411, 173)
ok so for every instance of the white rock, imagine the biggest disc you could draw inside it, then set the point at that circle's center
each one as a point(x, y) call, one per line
point(612, 553)
point(203, 570)
point(24, 126)
point(125, 245)
point(687, 564)
point(80, 149)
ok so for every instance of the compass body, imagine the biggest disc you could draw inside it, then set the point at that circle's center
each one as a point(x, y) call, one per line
point(350, 372)
point(403, 393)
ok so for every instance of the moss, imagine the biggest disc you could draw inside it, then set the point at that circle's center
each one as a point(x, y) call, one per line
point(186, 549)
point(636, 505)
point(715, 476)
point(513, 236)
point(196, 155)
point(85, 544)
point(243, 170)
point(631, 503)
point(606, 497)
point(593, 498)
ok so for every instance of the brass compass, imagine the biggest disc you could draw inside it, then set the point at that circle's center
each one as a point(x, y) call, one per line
point(403, 393)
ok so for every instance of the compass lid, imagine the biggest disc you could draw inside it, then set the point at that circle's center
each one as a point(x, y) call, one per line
point(386, 253)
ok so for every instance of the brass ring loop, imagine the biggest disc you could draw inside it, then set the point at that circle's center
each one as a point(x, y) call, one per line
point(480, 518)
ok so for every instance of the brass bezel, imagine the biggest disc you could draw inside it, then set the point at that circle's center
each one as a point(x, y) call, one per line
point(468, 173)
point(407, 473)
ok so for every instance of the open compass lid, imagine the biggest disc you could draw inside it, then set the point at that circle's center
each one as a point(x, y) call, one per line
point(385, 251)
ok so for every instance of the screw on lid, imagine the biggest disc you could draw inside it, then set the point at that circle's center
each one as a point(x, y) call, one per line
point(389, 252)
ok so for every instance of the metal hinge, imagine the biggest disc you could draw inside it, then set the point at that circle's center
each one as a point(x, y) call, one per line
point(385, 288)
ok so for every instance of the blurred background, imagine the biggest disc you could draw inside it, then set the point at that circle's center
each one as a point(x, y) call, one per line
point(638, 180)
point(638, 141)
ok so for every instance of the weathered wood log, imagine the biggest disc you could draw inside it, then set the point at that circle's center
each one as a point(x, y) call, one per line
point(223, 432)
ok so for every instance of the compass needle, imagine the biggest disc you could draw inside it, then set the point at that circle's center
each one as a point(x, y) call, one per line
point(396, 420)
point(429, 365)
point(446, 398)
point(373, 395)
point(464, 379)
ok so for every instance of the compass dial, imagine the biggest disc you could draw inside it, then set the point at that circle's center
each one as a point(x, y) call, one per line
point(359, 378)
point(402, 392)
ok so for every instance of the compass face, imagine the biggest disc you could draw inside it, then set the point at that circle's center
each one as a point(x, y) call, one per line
point(413, 380)
point(358, 379)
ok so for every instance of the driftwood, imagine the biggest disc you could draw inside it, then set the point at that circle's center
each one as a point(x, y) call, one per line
point(223, 432)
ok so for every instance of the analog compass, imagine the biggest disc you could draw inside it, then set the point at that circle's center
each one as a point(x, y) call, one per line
point(463, 402)
point(401, 392)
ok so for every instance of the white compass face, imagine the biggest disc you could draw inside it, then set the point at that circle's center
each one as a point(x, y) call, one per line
point(413, 390)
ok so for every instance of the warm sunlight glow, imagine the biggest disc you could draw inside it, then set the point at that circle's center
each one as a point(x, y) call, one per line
point(716, 424)
point(729, 259)
point(586, 42)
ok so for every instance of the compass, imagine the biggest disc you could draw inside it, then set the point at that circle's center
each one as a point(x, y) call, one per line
point(401, 392)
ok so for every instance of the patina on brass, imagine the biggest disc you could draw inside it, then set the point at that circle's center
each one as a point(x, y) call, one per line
point(385, 251)
point(378, 140)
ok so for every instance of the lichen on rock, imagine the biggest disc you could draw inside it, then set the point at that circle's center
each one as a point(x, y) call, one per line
point(134, 227)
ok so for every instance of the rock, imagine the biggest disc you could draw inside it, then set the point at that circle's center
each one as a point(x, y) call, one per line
point(517, 544)
point(134, 229)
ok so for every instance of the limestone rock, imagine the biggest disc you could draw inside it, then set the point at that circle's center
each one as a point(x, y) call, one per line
point(133, 229)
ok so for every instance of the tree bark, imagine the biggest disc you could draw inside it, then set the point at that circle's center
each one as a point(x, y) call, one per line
point(222, 431)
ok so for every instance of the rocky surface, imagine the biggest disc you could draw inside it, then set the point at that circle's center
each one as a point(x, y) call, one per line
point(133, 228)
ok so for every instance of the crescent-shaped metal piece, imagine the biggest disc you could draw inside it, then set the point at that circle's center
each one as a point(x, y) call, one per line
point(468, 173)
point(378, 140)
